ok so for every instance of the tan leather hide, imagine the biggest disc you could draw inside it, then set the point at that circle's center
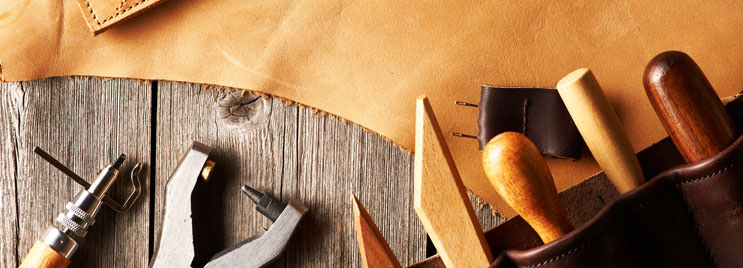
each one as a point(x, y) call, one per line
point(366, 61)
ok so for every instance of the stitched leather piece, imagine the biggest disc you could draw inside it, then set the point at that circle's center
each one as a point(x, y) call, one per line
point(688, 216)
point(538, 113)
point(102, 14)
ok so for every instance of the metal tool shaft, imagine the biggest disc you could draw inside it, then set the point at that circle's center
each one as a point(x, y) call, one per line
point(81, 212)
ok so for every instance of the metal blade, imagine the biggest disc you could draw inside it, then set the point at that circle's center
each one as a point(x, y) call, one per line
point(175, 248)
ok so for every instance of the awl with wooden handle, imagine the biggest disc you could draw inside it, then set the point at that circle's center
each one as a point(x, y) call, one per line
point(688, 106)
point(520, 175)
point(440, 199)
point(599, 125)
point(375, 252)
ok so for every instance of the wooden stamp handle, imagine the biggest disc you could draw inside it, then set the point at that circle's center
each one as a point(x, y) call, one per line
point(518, 172)
point(43, 256)
point(600, 127)
point(688, 106)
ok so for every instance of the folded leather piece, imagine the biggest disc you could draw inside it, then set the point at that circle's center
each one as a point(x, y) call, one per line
point(367, 61)
point(688, 216)
point(538, 113)
point(102, 14)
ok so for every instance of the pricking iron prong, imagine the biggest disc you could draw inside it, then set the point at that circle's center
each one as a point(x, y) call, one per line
point(465, 104)
point(463, 135)
point(80, 181)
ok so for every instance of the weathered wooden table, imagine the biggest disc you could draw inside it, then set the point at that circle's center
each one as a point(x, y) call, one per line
point(295, 154)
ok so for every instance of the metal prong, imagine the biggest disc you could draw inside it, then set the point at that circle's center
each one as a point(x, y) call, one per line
point(465, 104)
point(65, 170)
point(463, 135)
point(134, 176)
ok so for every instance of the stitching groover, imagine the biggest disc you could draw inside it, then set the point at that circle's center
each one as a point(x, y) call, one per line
point(118, 12)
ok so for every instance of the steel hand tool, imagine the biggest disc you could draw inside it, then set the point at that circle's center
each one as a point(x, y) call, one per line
point(59, 244)
point(176, 248)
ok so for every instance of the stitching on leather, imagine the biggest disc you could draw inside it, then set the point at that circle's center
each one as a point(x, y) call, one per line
point(697, 179)
point(119, 12)
point(571, 251)
point(696, 227)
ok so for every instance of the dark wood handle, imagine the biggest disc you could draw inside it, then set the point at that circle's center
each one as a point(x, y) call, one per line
point(688, 106)
point(518, 172)
point(42, 256)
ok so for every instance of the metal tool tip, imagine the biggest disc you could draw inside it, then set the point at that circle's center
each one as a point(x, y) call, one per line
point(253, 194)
point(119, 161)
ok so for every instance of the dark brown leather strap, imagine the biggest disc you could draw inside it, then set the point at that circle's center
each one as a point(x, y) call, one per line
point(538, 113)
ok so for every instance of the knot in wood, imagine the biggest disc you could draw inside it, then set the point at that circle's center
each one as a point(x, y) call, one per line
point(243, 110)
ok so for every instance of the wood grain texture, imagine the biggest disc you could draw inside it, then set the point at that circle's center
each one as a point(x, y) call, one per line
point(688, 106)
point(11, 101)
point(85, 123)
point(374, 250)
point(296, 154)
point(601, 129)
point(441, 200)
point(43, 256)
point(519, 173)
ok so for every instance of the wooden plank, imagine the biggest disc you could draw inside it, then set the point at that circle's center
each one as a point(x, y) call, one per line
point(85, 123)
point(12, 94)
point(297, 155)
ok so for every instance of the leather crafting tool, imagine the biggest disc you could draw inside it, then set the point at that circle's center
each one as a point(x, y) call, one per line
point(538, 113)
point(688, 106)
point(601, 129)
point(374, 250)
point(176, 247)
point(440, 199)
point(519, 174)
point(59, 244)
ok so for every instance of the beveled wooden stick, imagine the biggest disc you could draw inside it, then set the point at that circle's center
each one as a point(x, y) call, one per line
point(518, 172)
point(600, 127)
point(440, 199)
point(375, 252)
point(688, 106)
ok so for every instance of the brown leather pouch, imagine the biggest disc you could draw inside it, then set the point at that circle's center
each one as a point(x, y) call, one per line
point(687, 216)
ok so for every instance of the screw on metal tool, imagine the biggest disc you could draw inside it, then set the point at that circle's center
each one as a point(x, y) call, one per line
point(265, 203)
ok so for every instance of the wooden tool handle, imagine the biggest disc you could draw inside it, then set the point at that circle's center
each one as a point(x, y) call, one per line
point(688, 106)
point(600, 127)
point(518, 172)
point(43, 256)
